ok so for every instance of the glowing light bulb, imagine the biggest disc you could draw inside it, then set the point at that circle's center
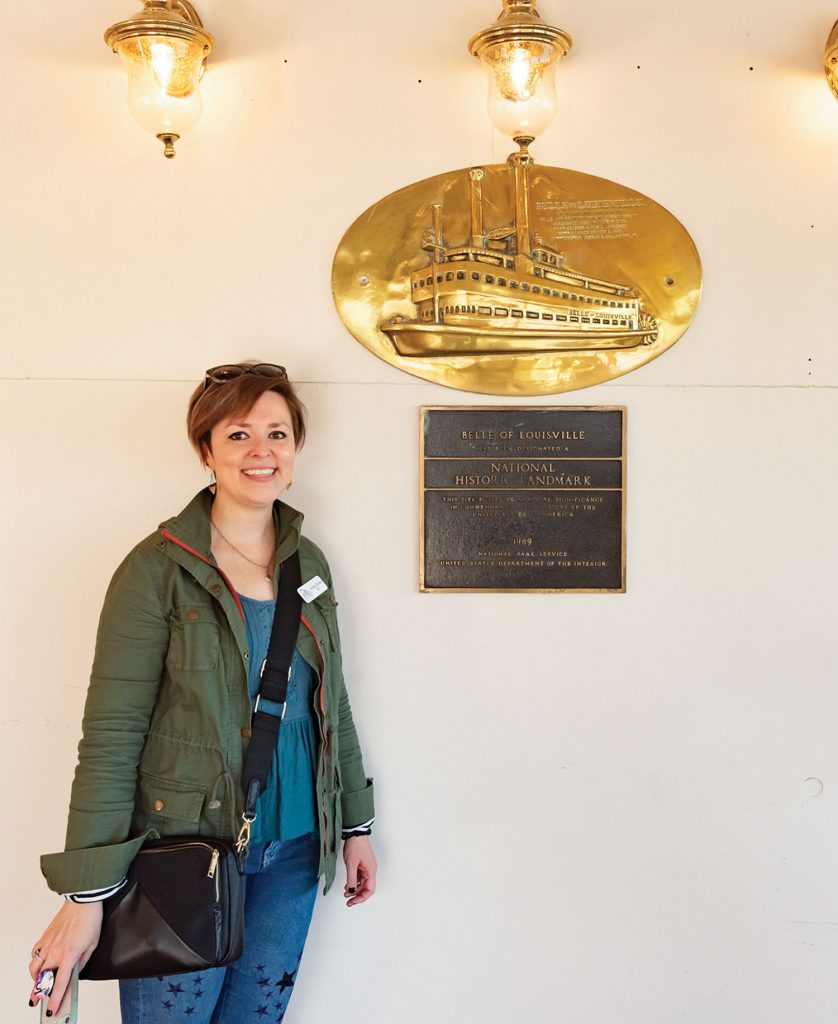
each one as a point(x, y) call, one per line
point(522, 77)
point(163, 62)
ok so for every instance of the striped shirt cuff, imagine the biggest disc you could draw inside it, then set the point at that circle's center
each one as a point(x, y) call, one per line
point(94, 895)
point(364, 829)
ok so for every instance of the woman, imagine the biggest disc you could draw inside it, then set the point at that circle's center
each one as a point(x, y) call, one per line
point(182, 636)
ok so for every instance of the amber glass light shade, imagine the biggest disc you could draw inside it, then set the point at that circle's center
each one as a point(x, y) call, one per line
point(522, 86)
point(163, 80)
point(520, 54)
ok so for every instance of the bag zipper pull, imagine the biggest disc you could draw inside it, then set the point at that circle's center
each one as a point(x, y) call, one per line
point(213, 864)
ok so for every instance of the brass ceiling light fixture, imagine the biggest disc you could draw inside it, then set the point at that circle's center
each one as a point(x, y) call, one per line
point(520, 53)
point(164, 49)
point(515, 278)
point(830, 60)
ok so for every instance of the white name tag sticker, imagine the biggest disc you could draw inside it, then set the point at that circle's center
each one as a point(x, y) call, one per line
point(314, 588)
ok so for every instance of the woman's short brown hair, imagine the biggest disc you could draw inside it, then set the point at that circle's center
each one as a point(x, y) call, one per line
point(211, 403)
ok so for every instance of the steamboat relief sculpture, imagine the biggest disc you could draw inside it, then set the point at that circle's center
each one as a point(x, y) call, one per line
point(506, 290)
point(516, 279)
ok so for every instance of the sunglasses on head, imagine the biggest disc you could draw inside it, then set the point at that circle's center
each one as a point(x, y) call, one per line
point(230, 371)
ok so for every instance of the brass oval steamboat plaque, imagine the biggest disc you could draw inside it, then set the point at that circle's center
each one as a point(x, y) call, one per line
point(516, 279)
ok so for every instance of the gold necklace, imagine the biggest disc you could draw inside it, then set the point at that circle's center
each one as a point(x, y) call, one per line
point(266, 569)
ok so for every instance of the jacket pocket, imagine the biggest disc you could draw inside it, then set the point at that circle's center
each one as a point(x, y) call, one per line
point(193, 641)
point(169, 805)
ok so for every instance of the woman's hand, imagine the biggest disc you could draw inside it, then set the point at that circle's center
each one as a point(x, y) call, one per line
point(361, 869)
point(68, 939)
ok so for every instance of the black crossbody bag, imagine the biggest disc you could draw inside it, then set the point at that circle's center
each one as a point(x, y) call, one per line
point(181, 908)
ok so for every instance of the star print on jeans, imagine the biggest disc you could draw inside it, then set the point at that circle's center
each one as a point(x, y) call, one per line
point(264, 981)
point(262, 1011)
point(260, 968)
point(286, 981)
point(168, 1004)
point(190, 1010)
point(198, 980)
point(198, 993)
point(175, 990)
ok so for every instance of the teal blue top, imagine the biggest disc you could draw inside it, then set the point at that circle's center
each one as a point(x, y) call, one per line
point(288, 807)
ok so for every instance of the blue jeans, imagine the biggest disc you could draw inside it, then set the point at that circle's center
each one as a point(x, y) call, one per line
point(280, 888)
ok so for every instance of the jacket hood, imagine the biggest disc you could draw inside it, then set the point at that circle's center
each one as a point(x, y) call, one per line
point(192, 525)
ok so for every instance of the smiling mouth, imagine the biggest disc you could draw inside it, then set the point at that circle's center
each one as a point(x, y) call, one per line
point(259, 474)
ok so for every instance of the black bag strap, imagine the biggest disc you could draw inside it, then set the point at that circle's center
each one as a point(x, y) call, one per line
point(273, 686)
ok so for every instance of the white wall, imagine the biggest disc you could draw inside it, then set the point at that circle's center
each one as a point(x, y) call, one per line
point(591, 808)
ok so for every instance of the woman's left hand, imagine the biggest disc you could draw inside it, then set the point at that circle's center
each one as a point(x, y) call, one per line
point(361, 869)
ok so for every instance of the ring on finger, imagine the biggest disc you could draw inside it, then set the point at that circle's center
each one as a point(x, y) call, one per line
point(37, 953)
point(45, 982)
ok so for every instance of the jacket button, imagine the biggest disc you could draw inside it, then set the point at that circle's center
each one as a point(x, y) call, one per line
point(245, 733)
point(247, 656)
point(192, 615)
point(158, 805)
point(216, 588)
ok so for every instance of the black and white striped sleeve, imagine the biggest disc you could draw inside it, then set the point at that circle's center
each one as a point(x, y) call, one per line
point(94, 895)
point(364, 829)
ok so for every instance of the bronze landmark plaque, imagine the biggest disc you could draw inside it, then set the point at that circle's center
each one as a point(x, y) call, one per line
point(528, 498)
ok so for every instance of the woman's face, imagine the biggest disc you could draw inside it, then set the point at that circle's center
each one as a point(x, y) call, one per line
point(253, 456)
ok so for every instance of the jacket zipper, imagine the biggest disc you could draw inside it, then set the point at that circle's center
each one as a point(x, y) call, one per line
point(324, 729)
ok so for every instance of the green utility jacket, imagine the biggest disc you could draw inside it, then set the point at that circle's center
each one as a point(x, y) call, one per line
point(167, 718)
